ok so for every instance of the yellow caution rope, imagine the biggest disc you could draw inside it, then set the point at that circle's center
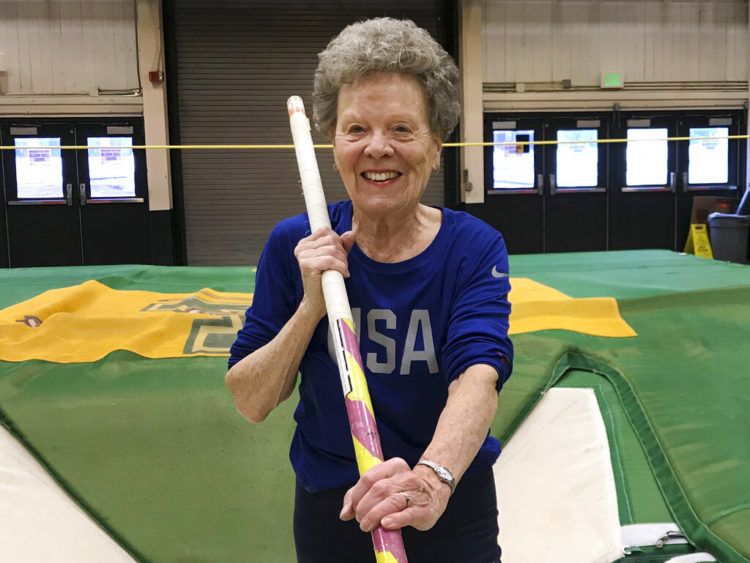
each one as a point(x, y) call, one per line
point(328, 146)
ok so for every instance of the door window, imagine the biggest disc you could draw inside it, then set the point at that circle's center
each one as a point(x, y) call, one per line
point(708, 157)
point(39, 168)
point(513, 162)
point(646, 157)
point(577, 158)
point(111, 167)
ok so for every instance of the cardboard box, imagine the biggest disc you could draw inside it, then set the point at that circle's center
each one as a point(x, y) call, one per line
point(704, 205)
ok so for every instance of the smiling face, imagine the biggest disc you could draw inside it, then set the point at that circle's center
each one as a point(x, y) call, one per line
point(383, 145)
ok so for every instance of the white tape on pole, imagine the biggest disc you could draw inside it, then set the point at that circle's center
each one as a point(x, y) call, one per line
point(334, 290)
point(312, 186)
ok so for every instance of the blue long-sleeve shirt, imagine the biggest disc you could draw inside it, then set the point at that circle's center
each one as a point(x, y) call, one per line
point(421, 323)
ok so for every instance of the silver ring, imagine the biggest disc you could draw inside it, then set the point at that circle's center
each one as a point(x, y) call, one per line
point(407, 497)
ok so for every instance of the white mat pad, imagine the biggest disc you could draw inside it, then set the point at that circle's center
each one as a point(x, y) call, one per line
point(555, 486)
point(39, 522)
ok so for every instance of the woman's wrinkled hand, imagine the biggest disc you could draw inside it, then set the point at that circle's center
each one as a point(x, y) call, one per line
point(393, 496)
point(323, 250)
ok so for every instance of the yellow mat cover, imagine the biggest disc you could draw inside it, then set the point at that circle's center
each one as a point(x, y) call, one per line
point(85, 322)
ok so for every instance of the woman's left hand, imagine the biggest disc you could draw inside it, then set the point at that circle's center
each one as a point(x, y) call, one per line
point(393, 495)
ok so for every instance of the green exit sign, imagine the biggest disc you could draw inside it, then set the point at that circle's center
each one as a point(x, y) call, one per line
point(612, 80)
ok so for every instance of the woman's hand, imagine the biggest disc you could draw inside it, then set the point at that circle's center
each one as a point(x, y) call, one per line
point(393, 496)
point(322, 251)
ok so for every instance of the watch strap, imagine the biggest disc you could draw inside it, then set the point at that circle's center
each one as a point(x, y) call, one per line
point(442, 473)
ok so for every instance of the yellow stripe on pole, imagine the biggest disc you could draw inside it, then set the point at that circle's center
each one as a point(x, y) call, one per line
point(365, 460)
point(384, 557)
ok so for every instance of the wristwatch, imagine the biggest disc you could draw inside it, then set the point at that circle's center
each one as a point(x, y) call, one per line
point(443, 474)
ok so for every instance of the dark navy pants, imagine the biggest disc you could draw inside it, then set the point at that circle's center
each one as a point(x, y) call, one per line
point(465, 533)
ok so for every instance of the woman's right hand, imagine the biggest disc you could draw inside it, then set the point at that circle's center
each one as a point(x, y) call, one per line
point(322, 251)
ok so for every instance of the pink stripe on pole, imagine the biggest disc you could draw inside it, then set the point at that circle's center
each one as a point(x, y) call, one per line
point(350, 341)
point(389, 541)
point(364, 428)
point(363, 425)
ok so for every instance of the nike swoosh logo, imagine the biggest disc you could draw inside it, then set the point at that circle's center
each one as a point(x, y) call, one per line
point(496, 274)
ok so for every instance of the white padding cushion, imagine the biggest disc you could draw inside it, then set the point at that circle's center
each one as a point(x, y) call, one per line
point(641, 535)
point(693, 558)
point(555, 487)
point(39, 522)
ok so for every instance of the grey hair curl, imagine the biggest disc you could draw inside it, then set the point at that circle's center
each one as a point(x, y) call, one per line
point(387, 45)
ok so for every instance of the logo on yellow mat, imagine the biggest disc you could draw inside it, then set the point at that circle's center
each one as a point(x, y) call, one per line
point(84, 323)
point(208, 336)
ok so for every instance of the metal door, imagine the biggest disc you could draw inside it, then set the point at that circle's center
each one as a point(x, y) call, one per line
point(709, 164)
point(44, 227)
point(514, 182)
point(69, 207)
point(112, 194)
point(575, 198)
point(643, 201)
point(3, 216)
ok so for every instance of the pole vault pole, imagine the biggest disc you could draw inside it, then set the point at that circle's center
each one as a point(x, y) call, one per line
point(388, 544)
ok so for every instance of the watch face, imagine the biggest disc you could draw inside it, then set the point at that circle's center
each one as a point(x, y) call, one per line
point(443, 474)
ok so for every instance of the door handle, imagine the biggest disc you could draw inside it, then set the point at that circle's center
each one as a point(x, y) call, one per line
point(69, 195)
point(552, 184)
point(673, 182)
point(540, 184)
point(82, 193)
point(684, 181)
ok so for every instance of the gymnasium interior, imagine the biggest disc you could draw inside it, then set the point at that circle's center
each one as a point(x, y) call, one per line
point(145, 158)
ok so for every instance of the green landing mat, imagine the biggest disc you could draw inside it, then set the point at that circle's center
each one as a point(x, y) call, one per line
point(683, 382)
point(154, 450)
point(639, 499)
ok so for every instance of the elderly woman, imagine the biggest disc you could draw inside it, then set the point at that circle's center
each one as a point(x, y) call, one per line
point(428, 289)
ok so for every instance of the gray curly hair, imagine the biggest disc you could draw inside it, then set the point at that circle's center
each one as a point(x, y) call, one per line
point(387, 45)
